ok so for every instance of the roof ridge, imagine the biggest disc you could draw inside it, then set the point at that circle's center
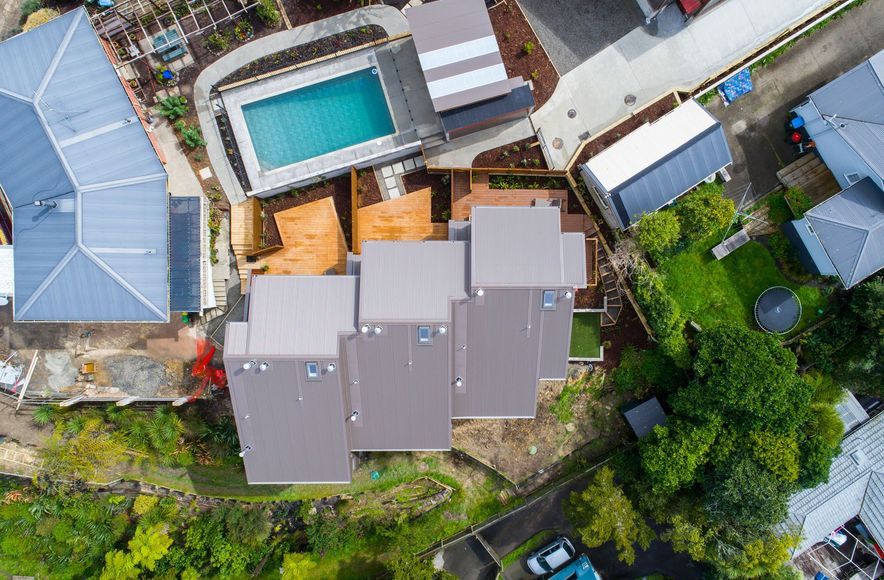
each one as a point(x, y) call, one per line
point(105, 267)
point(35, 295)
point(59, 54)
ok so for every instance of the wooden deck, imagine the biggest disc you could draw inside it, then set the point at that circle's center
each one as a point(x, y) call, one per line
point(403, 218)
point(245, 235)
point(481, 194)
point(313, 241)
point(810, 174)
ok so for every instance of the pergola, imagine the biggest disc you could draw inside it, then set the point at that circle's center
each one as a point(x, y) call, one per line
point(122, 24)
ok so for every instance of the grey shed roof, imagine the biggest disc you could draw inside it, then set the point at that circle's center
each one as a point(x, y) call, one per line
point(855, 473)
point(69, 134)
point(808, 248)
point(300, 316)
point(411, 281)
point(846, 119)
point(186, 225)
point(658, 162)
point(518, 99)
point(850, 227)
point(644, 416)
point(522, 247)
point(458, 52)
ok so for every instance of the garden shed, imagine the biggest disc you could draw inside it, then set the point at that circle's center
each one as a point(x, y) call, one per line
point(644, 416)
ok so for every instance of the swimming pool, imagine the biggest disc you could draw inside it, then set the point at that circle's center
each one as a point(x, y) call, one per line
point(318, 119)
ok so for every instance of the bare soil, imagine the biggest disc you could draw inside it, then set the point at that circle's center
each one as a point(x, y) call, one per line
point(524, 154)
point(440, 185)
point(627, 332)
point(513, 33)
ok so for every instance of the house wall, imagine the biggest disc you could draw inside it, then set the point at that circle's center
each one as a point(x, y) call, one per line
point(598, 195)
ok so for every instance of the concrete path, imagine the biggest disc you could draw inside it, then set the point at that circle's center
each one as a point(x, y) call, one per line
point(182, 179)
point(754, 123)
point(461, 152)
point(648, 67)
point(19, 459)
point(387, 17)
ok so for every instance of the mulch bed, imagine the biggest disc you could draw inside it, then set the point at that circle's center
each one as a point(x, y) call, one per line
point(527, 182)
point(517, 154)
point(590, 297)
point(307, 51)
point(648, 115)
point(440, 184)
point(368, 190)
point(512, 31)
point(338, 188)
point(627, 332)
point(304, 11)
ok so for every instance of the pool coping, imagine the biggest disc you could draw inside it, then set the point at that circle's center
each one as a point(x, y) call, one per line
point(267, 182)
point(387, 17)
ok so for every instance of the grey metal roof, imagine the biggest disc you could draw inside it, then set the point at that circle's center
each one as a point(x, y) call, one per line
point(851, 412)
point(846, 120)
point(644, 416)
point(69, 134)
point(300, 316)
point(808, 248)
point(411, 281)
point(520, 98)
point(817, 512)
point(872, 511)
point(850, 227)
point(186, 225)
point(574, 258)
point(402, 390)
point(520, 247)
point(458, 52)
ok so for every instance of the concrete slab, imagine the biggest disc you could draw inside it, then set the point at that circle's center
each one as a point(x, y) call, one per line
point(460, 152)
point(182, 180)
point(649, 67)
point(387, 171)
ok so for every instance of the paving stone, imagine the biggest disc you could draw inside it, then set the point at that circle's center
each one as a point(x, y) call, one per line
point(408, 164)
point(387, 171)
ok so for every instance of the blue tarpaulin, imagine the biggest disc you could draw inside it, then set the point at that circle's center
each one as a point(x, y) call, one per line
point(736, 86)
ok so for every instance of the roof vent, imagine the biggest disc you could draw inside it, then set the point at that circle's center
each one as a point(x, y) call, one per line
point(859, 458)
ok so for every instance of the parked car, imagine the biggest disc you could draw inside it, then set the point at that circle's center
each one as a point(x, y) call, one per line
point(551, 557)
point(581, 568)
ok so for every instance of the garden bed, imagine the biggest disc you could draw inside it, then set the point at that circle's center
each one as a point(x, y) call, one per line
point(439, 184)
point(519, 154)
point(367, 188)
point(529, 61)
point(306, 52)
point(627, 332)
point(504, 181)
point(586, 335)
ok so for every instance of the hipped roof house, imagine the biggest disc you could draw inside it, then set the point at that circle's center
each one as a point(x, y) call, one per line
point(426, 332)
point(88, 191)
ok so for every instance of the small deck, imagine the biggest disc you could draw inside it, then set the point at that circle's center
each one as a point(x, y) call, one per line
point(404, 218)
point(313, 241)
point(811, 175)
point(480, 194)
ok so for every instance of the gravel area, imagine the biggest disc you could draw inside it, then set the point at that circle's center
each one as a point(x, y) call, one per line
point(136, 375)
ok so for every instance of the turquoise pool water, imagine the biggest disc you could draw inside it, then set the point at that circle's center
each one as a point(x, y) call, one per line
point(318, 119)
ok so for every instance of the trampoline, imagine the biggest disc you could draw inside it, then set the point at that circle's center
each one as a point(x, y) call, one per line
point(777, 310)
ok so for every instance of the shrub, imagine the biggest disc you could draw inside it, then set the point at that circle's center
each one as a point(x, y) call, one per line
point(799, 201)
point(528, 47)
point(704, 211)
point(664, 314)
point(173, 107)
point(41, 16)
point(658, 232)
point(28, 7)
point(780, 247)
point(268, 13)
point(193, 137)
point(778, 210)
point(243, 29)
point(217, 42)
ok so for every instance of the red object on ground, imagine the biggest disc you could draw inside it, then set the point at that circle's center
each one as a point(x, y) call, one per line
point(202, 370)
point(690, 7)
point(796, 137)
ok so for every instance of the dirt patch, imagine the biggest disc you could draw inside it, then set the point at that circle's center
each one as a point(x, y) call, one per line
point(440, 186)
point(337, 188)
point(594, 416)
point(521, 51)
point(590, 297)
point(524, 154)
point(627, 332)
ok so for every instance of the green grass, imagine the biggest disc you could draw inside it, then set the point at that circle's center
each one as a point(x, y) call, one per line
point(586, 335)
point(527, 547)
point(711, 292)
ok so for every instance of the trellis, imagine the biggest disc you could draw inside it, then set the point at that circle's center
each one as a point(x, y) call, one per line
point(129, 18)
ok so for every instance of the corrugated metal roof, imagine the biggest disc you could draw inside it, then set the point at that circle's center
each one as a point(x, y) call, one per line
point(411, 281)
point(808, 248)
point(186, 224)
point(850, 227)
point(574, 259)
point(458, 52)
point(645, 416)
point(516, 100)
point(520, 247)
point(658, 162)
point(872, 512)
point(818, 511)
point(69, 135)
point(851, 412)
point(300, 316)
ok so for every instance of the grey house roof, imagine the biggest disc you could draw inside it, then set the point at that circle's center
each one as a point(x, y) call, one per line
point(458, 52)
point(854, 488)
point(521, 247)
point(69, 135)
point(411, 281)
point(846, 120)
point(808, 248)
point(850, 227)
point(644, 416)
point(300, 316)
point(186, 227)
point(658, 162)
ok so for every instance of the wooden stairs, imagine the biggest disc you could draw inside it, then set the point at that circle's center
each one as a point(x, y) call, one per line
point(613, 301)
point(245, 235)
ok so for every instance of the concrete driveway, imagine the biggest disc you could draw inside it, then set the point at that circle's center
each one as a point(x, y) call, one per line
point(754, 124)
point(573, 30)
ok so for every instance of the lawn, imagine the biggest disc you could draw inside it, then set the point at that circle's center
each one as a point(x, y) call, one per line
point(586, 335)
point(711, 292)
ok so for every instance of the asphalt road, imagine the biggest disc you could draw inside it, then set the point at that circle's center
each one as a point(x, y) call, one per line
point(547, 514)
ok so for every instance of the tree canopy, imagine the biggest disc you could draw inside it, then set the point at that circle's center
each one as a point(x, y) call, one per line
point(704, 211)
point(658, 232)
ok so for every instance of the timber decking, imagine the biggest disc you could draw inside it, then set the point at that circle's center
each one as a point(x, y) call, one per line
point(313, 241)
point(811, 175)
point(404, 218)
point(480, 194)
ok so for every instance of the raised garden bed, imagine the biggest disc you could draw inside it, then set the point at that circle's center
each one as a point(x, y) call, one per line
point(519, 154)
point(590, 297)
point(503, 181)
point(440, 184)
point(521, 51)
point(586, 335)
point(306, 52)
